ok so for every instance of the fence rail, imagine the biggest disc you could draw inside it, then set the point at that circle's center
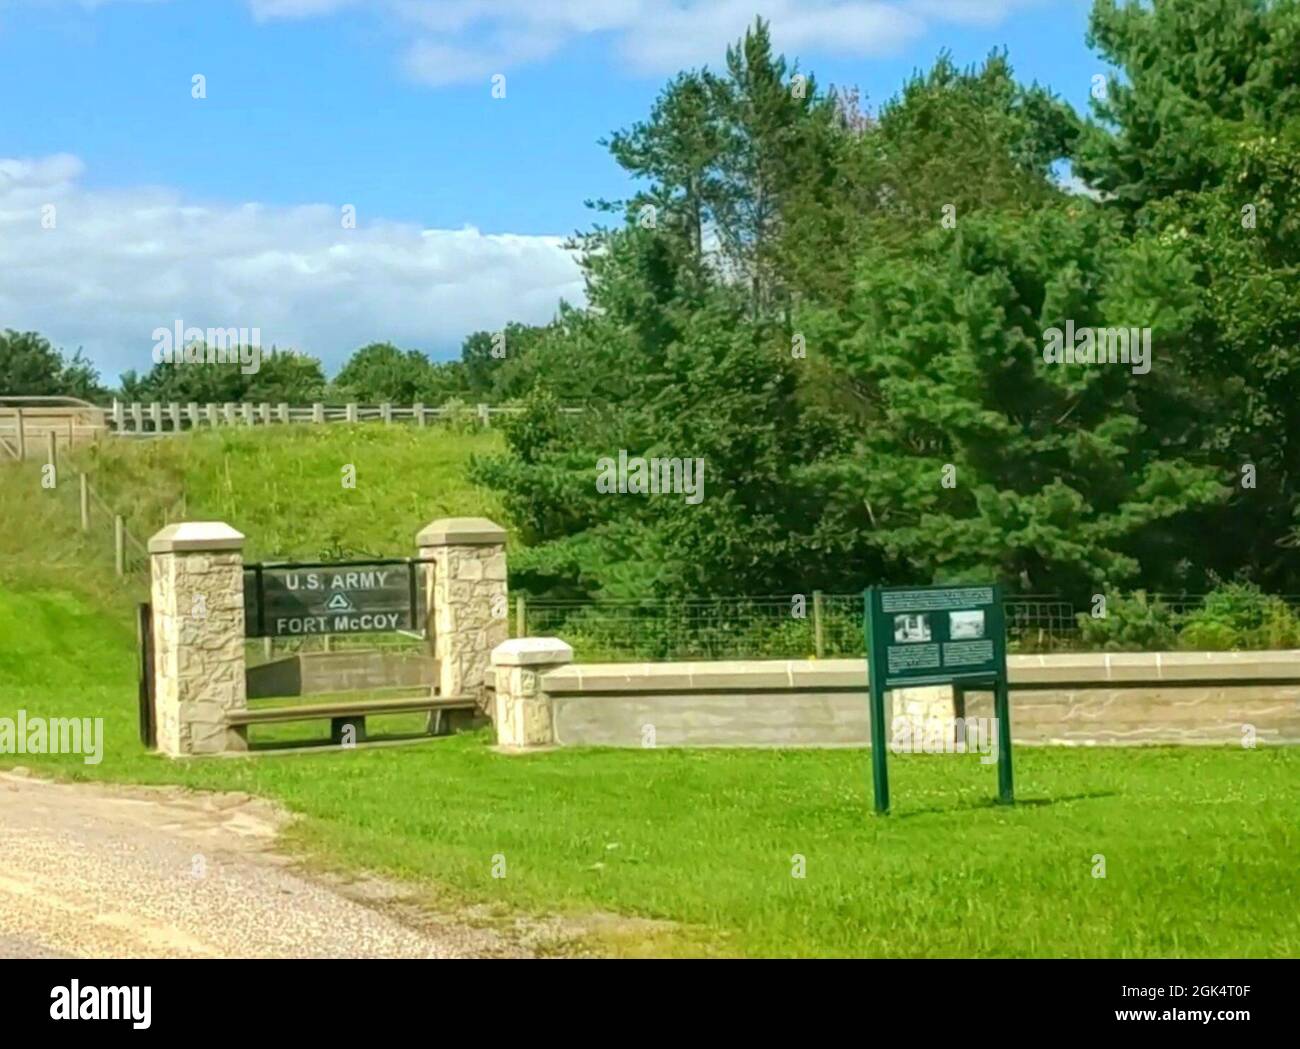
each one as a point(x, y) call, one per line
point(156, 417)
point(28, 424)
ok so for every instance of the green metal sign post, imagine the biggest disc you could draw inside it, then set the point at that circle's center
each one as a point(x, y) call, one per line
point(936, 635)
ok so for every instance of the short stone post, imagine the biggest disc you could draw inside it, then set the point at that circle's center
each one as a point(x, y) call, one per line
point(198, 629)
point(468, 605)
point(522, 709)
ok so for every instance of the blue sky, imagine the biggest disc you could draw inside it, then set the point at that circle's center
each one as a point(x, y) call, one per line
point(224, 210)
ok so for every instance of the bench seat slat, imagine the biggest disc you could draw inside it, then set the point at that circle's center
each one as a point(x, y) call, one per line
point(357, 708)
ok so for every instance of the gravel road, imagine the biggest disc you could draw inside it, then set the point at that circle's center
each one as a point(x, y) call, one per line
point(128, 872)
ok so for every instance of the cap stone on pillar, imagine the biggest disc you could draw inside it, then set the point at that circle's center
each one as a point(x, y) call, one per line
point(531, 652)
point(461, 531)
point(196, 535)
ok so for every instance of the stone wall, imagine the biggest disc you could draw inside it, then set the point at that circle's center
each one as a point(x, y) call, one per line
point(825, 702)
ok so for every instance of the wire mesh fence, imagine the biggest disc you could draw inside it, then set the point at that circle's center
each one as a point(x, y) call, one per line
point(827, 626)
point(801, 626)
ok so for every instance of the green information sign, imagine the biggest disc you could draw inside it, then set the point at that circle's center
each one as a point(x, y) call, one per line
point(936, 635)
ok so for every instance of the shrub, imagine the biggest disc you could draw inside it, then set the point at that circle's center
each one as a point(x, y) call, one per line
point(1131, 624)
point(1239, 616)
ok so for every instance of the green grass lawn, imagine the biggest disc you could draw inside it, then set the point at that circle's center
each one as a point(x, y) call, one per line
point(1200, 844)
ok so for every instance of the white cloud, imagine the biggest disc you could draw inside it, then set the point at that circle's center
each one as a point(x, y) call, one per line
point(120, 263)
point(468, 40)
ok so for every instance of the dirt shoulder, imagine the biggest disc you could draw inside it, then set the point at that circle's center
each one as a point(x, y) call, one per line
point(120, 871)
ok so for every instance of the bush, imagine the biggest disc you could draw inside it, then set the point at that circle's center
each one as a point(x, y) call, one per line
point(1130, 624)
point(1239, 616)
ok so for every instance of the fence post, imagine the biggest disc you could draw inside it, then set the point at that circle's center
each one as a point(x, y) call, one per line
point(52, 453)
point(418, 410)
point(266, 412)
point(212, 415)
point(119, 544)
point(386, 412)
point(22, 436)
point(85, 503)
point(521, 616)
point(350, 413)
point(318, 412)
point(818, 646)
point(174, 410)
point(247, 408)
point(483, 415)
point(117, 415)
point(284, 411)
point(228, 412)
point(155, 415)
point(137, 416)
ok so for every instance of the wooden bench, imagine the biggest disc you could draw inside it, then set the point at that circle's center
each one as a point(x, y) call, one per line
point(353, 713)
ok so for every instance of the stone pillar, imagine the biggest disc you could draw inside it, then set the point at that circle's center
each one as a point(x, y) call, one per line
point(468, 604)
point(522, 709)
point(198, 636)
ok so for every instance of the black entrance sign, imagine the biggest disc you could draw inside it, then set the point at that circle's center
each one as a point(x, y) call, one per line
point(344, 597)
point(936, 635)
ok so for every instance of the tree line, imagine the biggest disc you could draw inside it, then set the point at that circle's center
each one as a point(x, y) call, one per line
point(849, 316)
point(844, 313)
point(375, 373)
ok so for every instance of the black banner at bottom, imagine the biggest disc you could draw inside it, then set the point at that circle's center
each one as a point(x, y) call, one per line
point(338, 998)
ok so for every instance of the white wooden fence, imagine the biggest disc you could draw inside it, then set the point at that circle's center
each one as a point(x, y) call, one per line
point(156, 417)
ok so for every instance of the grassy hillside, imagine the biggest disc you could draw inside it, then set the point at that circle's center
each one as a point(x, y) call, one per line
point(281, 486)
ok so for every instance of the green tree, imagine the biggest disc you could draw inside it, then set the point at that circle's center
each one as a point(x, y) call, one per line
point(30, 366)
point(1195, 146)
point(976, 457)
point(282, 375)
point(380, 372)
